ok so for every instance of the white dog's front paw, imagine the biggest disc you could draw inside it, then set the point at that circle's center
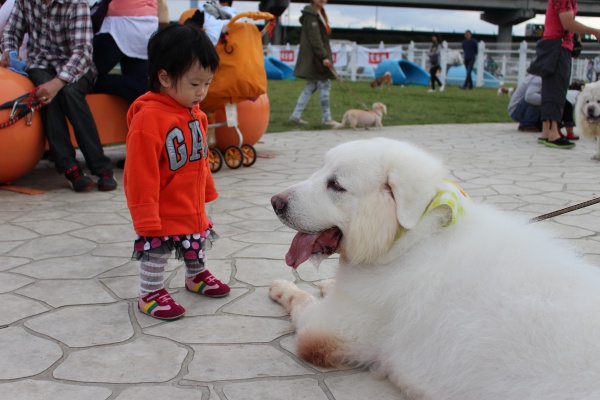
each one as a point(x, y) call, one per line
point(596, 157)
point(325, 286)
point(289, 295)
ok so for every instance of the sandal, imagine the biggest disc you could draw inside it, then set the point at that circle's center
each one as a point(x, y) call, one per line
point(560, 143)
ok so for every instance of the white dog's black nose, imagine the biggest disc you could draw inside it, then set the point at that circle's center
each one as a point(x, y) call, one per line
point(279, 203)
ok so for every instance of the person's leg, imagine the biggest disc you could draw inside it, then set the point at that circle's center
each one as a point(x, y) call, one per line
point(130, 84)
point(56, 131)
point(309, 90)
point(106, 53)
point(324, 91)
point(568, 121)
point(435, 71)
point(530, 115)
point(74, 105)
point(469, 79)
point(154, 299)
point(432, 77)
point(554, 92)
point(197, 278)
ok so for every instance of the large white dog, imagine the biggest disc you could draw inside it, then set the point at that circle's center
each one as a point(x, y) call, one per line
point(587, 113)
point(448, 298)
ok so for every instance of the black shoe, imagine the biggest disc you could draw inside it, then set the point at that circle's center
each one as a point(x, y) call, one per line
point(106, 181)
point(560, 143)
point(79, 181)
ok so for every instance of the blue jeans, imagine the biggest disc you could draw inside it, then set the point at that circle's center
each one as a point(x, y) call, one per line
point(527, 115)
point(133, 81)
point(469, 64)
point(70, 104)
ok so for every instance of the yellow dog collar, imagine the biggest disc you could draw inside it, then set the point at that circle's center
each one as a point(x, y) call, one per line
point(450, 196)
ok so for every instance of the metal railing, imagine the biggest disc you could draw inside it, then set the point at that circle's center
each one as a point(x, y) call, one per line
point(504, 63)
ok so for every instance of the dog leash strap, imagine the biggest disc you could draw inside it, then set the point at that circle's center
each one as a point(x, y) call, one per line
point(362, 103)
point(566, 210)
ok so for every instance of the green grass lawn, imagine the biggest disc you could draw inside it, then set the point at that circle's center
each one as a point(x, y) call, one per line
point(410, 105)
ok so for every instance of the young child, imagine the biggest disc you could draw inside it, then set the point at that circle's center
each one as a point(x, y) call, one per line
point(167, 177)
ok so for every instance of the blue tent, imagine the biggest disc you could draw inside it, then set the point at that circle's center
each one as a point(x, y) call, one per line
point(393, 67)
point(403, 72)
point(277, 70)
point(456, 76)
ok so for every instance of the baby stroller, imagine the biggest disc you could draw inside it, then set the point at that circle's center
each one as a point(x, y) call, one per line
point(241, 76)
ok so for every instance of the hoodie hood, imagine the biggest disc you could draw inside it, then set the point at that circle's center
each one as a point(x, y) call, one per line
point(159, 101)
point(309, 10)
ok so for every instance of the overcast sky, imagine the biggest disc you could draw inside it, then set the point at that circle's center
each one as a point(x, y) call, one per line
point(387, 17)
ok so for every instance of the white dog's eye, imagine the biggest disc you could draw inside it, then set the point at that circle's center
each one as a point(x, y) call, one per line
point(334, 185)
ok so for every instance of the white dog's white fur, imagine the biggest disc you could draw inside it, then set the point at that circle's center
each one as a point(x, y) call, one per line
point(587, 113)
point(364, 118)
point(488, 308)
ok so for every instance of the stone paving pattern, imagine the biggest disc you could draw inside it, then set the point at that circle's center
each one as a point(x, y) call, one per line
point(69, 327)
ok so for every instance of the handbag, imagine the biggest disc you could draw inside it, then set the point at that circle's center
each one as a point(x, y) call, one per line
point(97, 14)
point(546, 57)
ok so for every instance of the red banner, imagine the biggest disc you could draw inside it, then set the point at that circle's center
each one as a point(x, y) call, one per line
point(377, 57)
point(287, 55)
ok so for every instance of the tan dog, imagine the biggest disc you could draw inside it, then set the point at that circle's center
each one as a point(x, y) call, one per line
point(363, 117)
point(587, 113)
point(383, 80)
point(506, 91)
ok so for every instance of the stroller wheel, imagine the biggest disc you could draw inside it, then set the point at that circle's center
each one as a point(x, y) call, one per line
point(215, 159)
point(249, 155)
point(234, 157)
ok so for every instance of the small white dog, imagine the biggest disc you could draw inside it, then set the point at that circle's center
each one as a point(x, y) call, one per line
point(587, 113)
point(364, 118)
point(451, 300)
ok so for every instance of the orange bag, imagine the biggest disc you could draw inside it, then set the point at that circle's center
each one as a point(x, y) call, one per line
point(241, 74)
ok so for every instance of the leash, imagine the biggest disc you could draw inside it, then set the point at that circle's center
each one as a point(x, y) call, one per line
point(565, 210)
point(21, 109)
point(339, 78)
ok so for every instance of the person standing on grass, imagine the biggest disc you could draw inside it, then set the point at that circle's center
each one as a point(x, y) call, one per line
point(559, 24)
point(314, 61)
point(470, 50)
point(434, 62)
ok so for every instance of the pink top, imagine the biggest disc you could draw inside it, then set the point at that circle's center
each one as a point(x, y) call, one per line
point(553, 28)
point(132, 8)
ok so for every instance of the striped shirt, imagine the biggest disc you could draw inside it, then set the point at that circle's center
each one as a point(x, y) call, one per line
point(60, 36)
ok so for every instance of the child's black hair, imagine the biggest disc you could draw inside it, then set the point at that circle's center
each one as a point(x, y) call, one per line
point(175, 49)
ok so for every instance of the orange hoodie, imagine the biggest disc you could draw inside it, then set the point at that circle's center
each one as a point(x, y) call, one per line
point(167, 177)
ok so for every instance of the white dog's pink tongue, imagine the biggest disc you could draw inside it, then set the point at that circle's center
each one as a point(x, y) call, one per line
point(305, 244)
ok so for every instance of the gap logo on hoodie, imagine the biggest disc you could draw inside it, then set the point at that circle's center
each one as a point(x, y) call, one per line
point(178, 150)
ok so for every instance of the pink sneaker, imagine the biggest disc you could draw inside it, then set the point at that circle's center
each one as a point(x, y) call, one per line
point(205, 283)
point(160, 305)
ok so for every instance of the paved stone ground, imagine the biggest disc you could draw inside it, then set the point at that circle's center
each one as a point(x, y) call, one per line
point(69, 328)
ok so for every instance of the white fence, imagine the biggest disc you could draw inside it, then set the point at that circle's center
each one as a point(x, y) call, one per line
point(506, 62)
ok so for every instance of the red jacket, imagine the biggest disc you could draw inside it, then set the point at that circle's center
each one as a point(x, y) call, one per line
point(167, 177)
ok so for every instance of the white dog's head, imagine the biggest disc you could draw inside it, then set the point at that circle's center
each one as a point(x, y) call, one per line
point(356, 202)
point(587, 110)
point(379, 108)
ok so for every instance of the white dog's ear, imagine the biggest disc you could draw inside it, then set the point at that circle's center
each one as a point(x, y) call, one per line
point(415, 177)
point(412, 198)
